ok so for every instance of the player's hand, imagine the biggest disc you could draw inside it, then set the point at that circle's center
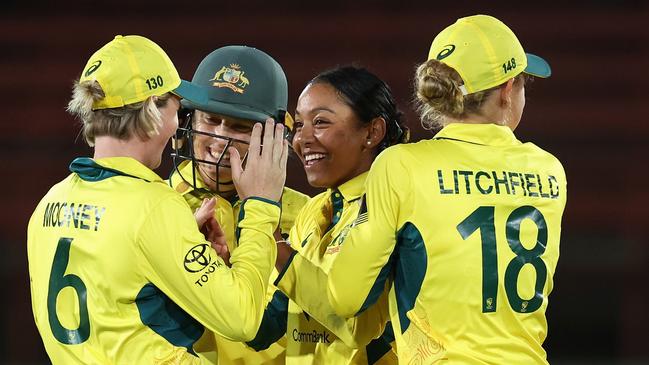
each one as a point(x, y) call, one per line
point(205, 212)
point(265, 171)
point(222, 250)
point(211, 229)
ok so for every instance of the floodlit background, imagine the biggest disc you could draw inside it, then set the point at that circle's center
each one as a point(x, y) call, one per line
point(592, 114)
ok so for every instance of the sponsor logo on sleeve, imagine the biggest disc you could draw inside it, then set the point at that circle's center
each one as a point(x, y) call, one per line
point(198, 260)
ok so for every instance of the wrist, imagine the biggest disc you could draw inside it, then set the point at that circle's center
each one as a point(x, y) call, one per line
point(284, 254)
point(260, 198)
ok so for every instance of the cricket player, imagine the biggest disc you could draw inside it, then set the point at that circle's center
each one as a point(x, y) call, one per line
point(245, 86)
point(464, 226)
point(344, 118)
point(119, 271)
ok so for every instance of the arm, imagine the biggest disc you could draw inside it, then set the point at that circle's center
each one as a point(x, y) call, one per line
point(358, 276)
point(273, 324)
point(228, 301)
point(306, 284)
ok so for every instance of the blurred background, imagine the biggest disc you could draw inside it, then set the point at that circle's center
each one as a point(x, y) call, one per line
point(592, 114)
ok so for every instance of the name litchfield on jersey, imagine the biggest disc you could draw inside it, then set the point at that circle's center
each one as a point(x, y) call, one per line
point(491, 182)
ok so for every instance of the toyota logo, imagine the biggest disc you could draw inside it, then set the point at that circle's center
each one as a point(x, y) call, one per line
point(197, 258)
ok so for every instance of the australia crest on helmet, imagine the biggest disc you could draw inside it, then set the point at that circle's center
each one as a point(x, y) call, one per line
point(231, 77)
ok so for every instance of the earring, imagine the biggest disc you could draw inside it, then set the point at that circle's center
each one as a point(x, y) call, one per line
point(369, 142)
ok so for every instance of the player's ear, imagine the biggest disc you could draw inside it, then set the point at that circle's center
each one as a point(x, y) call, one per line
point(376, 130)
point(506, 93)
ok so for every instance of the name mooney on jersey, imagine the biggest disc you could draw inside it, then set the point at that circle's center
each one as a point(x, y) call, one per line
point(79, 215)
point(498, 182)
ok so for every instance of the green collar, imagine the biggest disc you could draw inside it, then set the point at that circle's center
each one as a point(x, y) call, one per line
point(104, 168)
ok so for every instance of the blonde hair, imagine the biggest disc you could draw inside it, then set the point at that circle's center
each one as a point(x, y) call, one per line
point(142, 119)
point(439, 97)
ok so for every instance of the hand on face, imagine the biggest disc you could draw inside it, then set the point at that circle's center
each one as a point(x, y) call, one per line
point(265, 171)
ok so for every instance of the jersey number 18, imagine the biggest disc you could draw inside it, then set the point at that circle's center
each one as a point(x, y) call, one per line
point(483, 219)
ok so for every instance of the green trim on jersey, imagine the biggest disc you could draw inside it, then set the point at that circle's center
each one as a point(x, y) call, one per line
point(89, 170)
point(410, 270)
point(409, 261)
point(237, 229)
point(337, 208)
point(264, 200)
point(380, 346)
point(167, 319)
point(281, 273)
point(242, 212)
point(378, 287)
point(273, 324)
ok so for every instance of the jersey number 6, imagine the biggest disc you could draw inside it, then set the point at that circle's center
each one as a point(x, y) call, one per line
point(483, 219)
point(59, 281)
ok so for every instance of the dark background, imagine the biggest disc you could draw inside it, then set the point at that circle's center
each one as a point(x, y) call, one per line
point(592, 114)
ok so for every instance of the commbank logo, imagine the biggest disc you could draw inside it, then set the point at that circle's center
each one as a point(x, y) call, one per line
point(197, 258)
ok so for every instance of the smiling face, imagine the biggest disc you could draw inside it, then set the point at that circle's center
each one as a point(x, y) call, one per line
point(212, 149)
point(329, 138)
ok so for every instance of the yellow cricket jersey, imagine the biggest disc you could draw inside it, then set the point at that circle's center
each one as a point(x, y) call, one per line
point(227, 213)
point(315, 334)
point(467, 224)
point(120, 274)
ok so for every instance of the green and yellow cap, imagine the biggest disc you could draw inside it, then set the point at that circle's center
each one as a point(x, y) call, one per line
point(241, 82)
point(485, 52)
point(132, 68)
